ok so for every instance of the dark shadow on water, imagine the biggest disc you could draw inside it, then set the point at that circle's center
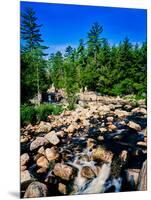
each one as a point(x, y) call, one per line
point(15, 194)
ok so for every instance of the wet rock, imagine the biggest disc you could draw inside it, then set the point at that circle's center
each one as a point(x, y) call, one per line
point(24, 159)
point(135, 126)
point(101, 154)
point(42, 162)
point(43, 127)
point(52, 138)
point(87, 172)
point(62, 188)
point(26, 179)
point(112, 127)
point(102, 129)
point(42, 170)
point(140, 110)
point(100, 138)
point(124, 155)
point(142, 181)
point(36, 189)
point(143, 144)
point(39, 141)
point(63, 171)
point(51, 153)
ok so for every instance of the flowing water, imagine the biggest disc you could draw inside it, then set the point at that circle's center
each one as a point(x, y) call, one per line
point(100, 183)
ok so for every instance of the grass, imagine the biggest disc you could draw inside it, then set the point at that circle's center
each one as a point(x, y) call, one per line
point(35, 114)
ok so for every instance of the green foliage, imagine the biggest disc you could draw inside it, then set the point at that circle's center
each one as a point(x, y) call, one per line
point(34, 114)
point(34, 78)
point(28, 114)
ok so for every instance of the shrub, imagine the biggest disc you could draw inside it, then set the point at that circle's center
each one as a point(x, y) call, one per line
point(35, 114)
point(28, 114)
point(44, 110)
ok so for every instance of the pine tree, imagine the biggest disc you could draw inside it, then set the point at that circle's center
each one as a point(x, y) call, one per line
point(34, 51)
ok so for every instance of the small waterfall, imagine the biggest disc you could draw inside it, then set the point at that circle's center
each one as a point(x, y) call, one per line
point(97, 184)
point(117, 183)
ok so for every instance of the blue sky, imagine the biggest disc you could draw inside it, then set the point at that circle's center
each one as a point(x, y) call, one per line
point(64, 25)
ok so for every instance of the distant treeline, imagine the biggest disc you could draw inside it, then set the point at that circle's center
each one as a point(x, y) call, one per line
point(111, 70)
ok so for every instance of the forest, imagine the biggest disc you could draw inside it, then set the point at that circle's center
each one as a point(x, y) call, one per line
point(119, 69)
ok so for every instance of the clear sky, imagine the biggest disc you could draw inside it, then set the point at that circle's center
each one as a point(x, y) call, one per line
point(64, 25)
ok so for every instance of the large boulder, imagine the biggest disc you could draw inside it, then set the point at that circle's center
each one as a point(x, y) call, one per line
point(140, 110)
point(62, 188)
point(36, 189)
point(52, 138)
point(42, 162)
point(24, 159)
point(43, 127)
point(63, 171)
point(101, 154)
point(51, 153)
point(26, 179)
point(38, 142)
point(87, 172)
point(121, 113)
point(135, 126)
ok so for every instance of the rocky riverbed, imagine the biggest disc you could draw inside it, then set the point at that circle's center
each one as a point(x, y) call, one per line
point(99, 147)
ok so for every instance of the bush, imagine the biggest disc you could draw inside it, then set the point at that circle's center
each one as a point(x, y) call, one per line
point(44, 110)
point(28, 114)
point(35, 114)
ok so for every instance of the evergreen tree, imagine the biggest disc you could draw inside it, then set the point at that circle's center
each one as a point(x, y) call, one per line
point(32, 59)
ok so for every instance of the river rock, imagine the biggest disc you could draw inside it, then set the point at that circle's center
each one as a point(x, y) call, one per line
point(112, 127)
point(51, 153)
point(71, 128)
point(23, 168)
point(41, 150)
point(140, 110)
point(142, 181)
point(36, 189)
point(121, 113)
point(110, 119)
point(42, 170)
point(63, 171)
point(26, 179)
point(24, 159)
point(103, 129)
point(44, 127)
point(142, 143)
point(39, 141)
point(62, 188)
point(135, 126)
point(52, 138)
point(42, 162)
point(101, 154)
point(87, 172)
point(24, 139)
